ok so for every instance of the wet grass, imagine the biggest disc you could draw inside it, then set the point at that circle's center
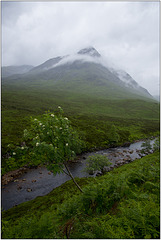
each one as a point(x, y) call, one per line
point(39, 205)
point(122, 204)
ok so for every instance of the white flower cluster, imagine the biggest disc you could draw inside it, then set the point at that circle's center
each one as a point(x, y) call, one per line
point(52, 115)
point(36, 137)
point(25, 133)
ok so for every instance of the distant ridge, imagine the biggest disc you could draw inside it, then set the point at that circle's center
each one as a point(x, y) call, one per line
point(11, 70)
point(85, 71)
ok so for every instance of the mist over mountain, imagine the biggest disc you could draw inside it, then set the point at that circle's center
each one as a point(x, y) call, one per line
point(129, 81)
point(157, 97)
point(92, 92)
point(84, 71)
point(85, 55)
point(11, 70)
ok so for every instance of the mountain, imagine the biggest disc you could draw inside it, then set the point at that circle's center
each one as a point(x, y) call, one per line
point(129, 81)
point(7, 71)
point(92, 94)
point(85, 72)
point(90, 51)
point(46, 65)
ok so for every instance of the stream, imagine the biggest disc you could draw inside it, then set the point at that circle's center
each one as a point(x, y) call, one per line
point(40, 181)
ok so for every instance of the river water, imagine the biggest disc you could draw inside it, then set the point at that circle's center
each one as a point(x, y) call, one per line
point(40, 181)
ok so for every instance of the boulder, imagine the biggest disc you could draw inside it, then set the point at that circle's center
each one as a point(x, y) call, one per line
point(99, 174)
point(16, 180)
point(19, 188)
point(33, 181)
point(125, 151)
point(131, 151)
point(29, 190)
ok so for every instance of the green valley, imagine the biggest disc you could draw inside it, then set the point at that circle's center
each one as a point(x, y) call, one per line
point(92, 117)
point(94, 97)
point(107, 111)
point(80, 120)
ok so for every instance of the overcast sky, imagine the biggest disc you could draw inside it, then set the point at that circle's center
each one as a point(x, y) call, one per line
point(125, 33)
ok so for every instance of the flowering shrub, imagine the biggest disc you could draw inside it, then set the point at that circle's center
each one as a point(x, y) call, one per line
point(51, 141)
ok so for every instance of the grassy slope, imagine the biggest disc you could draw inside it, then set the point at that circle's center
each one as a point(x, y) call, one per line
point(121, 204)
point(19, 102)
point(92, 106)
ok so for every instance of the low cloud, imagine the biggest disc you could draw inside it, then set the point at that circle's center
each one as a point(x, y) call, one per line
point(76, 57)
point(126, 34)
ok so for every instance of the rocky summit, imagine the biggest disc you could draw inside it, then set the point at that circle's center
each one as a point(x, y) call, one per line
point(90, 51)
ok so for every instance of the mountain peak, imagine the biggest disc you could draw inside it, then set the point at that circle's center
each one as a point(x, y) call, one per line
point(90, 51)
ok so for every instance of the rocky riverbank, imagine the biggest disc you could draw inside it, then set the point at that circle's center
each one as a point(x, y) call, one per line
point(123, 159)
point(10, 176)
point(26, 184)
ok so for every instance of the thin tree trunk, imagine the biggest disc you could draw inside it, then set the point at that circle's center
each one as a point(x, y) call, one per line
point(70, 174)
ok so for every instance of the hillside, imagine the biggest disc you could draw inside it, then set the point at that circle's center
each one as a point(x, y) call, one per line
point(92, 95)
point(84, 72)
